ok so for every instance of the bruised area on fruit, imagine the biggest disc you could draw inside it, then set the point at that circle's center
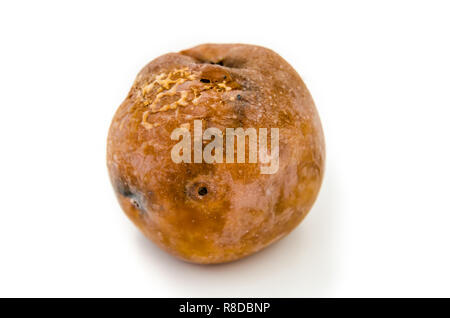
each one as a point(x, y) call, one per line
point(214, 213)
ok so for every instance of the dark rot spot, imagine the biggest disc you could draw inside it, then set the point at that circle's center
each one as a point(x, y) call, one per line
point(239, 97)
point(123, 189)
point(205, 80)
point(202, 191)
point(135, 198)
point(217, 63)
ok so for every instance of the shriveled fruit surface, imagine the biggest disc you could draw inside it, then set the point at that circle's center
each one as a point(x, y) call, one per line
point(214, 213)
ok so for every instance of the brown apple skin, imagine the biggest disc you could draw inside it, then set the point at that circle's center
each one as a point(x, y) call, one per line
point(226, 86)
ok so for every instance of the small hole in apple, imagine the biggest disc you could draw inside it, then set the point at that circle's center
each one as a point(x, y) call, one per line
point(202, 191)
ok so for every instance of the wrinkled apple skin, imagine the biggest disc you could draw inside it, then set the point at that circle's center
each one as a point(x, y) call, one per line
point(243, 211)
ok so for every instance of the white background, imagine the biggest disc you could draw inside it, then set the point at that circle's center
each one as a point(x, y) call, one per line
point(379, 72)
